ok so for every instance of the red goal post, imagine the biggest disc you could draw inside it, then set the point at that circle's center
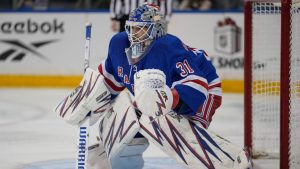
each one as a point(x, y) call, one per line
point(272, 80)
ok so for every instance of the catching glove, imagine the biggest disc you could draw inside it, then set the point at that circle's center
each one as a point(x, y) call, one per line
point(152, 96)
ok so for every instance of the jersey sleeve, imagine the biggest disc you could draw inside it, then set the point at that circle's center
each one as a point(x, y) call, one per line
point(213, 80)
point(106, 69)
point(188, 80)
point(193, 91)
point(113, 85)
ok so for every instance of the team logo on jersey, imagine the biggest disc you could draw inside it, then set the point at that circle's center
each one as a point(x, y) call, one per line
point(126, 80)
point(120, 71)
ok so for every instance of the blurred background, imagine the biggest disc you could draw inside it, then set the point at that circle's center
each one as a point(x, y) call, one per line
point(42, 41)
point(104, 4)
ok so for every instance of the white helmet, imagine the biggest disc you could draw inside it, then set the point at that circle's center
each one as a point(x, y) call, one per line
point(145, 24)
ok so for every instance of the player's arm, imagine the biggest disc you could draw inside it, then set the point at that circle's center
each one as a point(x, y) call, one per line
point(192, 91)
point(208, 106)
point(110, 78)
point(188, 79)
point(214, 87)
point(108, 70)
point(213, 79)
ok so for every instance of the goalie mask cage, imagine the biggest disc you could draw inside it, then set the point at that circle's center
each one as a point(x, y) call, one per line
point(272, 80)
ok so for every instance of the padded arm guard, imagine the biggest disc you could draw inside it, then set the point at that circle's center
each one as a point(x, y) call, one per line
point(92, 95)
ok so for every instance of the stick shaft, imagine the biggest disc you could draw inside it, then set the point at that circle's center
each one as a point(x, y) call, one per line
point(88, 31)
point(83, 128)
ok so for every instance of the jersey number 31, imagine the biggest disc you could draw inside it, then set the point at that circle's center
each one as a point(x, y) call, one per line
point(184, 67)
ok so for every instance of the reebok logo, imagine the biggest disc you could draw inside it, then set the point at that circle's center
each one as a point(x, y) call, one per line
point(18, 49)
point(31, 27)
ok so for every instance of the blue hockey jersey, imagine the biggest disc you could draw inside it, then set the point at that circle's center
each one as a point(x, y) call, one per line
point(187, 70)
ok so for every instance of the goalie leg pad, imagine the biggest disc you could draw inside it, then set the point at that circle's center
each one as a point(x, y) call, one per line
point(131, 156)
point(243, 160)
point(98, 158)
point(119, 125)
point(191, 145)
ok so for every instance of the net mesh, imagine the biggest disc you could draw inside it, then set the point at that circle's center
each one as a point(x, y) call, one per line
point(295, 87)
point(266, 31)
point(265, 79)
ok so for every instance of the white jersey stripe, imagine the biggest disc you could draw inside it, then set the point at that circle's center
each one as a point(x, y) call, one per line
point(200, 120)
point(200, 114)
point(209, 108)
point(197, 87)
point(190, 77)
point(215, 81)
point(216, 91)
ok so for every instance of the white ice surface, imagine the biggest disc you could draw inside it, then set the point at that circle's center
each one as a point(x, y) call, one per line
point(32, 136)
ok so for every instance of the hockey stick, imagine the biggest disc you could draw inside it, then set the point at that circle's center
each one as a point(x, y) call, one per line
point(83, 130)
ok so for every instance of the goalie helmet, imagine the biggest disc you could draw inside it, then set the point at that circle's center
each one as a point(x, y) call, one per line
point(145, 24)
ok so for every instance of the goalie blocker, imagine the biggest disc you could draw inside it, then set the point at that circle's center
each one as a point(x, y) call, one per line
point(91, 96)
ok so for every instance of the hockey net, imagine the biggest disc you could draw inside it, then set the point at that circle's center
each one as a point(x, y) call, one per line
point(265, 106)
